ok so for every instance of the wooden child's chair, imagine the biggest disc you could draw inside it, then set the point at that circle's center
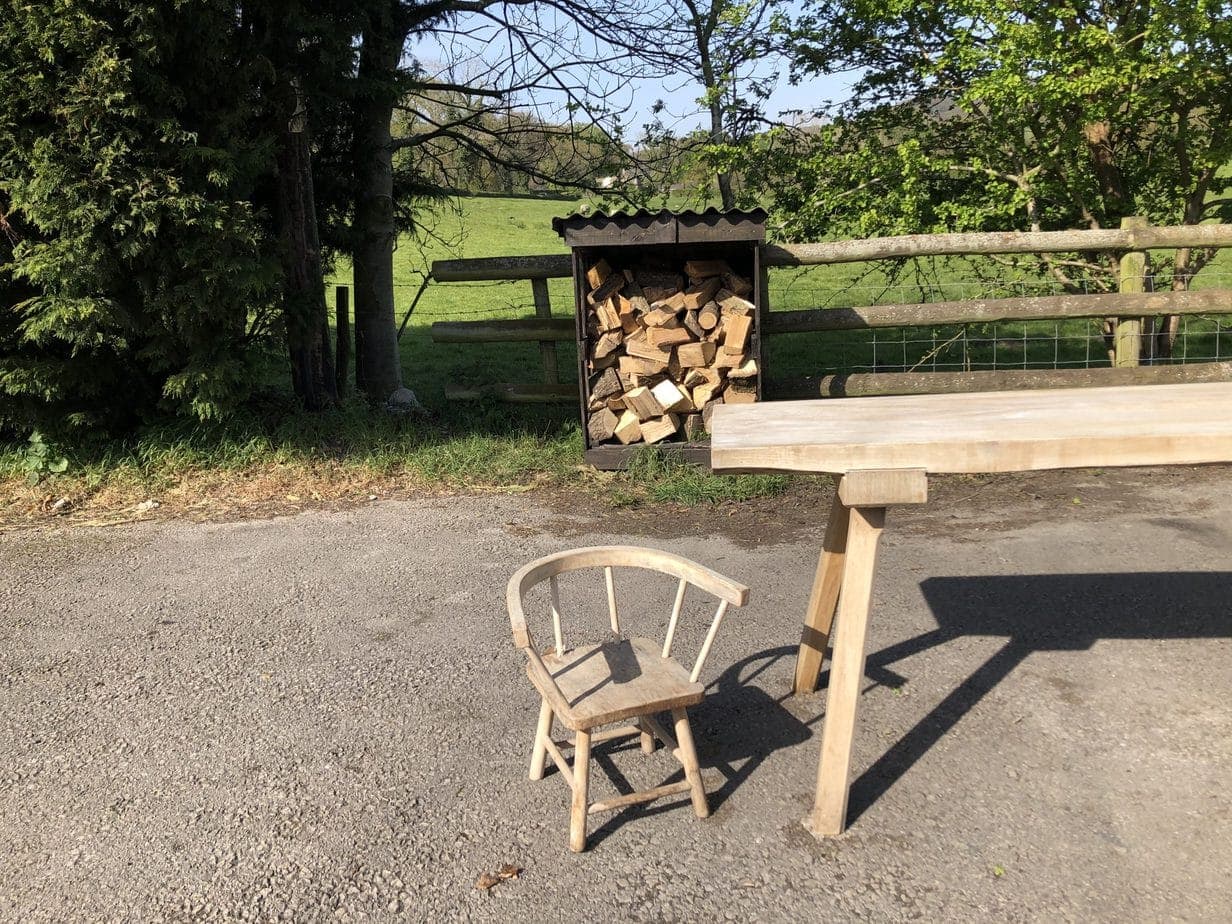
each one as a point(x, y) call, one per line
point(590, 686)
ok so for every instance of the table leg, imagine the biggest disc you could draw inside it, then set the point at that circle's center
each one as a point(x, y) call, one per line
point(819, 617)
point(829, 814)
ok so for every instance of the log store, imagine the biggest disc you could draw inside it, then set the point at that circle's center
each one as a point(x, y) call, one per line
point(668, 312)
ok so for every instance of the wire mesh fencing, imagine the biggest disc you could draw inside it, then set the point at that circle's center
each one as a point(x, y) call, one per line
point(1079, 343)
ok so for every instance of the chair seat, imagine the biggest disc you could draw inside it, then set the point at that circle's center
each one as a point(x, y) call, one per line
point(617, 680)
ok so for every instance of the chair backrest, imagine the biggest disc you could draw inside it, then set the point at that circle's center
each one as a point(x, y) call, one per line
point(608, 557)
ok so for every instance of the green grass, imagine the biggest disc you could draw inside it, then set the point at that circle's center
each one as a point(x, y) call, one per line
point(488, 444)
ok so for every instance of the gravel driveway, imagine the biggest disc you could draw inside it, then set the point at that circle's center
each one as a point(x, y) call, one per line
point(322, 717)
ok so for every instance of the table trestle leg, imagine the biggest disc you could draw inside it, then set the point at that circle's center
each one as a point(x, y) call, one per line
point(829, 814)
point(823, 600)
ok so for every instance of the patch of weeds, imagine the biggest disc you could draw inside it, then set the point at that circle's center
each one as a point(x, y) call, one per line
point(662, 476)
point(41, 460)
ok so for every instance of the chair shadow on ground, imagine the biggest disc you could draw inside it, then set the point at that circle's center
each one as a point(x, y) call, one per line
point(736, 727)
point(739, 725)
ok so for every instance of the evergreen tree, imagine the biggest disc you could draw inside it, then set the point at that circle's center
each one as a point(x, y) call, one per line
point(137, 261)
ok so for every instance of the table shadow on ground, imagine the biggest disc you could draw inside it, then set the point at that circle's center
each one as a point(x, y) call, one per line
point(1040, 612)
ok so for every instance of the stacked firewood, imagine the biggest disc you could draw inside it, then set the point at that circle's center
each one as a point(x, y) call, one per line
point(664, 348)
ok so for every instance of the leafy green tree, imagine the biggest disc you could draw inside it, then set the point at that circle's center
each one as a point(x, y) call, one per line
point(995, 115)
point(135, 261)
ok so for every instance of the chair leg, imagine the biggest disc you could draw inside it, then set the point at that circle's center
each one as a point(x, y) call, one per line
point(581, 785)
point(688, 759)
point(542, 732)
point(648, 738)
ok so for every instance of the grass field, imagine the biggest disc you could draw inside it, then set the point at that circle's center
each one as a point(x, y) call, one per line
point(275, 451)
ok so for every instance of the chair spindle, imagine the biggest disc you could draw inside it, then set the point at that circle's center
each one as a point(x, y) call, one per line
point(671, 623)
point(560, 642)
point(714, 630)
point(611, 599)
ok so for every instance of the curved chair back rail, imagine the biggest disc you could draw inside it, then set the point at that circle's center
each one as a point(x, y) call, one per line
point(608, 557)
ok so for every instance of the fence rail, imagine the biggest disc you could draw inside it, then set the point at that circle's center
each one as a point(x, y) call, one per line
point(1126, 310)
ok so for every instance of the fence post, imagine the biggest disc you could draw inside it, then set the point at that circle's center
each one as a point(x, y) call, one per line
point(1131, 278)
point(342, 337)
point(547, 348)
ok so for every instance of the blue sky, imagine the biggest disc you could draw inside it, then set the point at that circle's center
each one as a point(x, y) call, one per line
point(634, 98)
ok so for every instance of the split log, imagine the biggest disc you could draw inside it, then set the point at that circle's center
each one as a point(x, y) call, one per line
point(659, 428)
point(694, 427)
point(629, 323)
point(675, 302)
point(659, 315)
point(700, 294)
point(608, 343)
point(598, 274)
point(639, 366)
point(731, 303)
point(746, 370)
point(739, 394)
point(738, 285)
point(659, 293)
point(628, 428)
point(605, 385)
point(696, 354)
point(691, 325)
point(706, 392)
point(602, 425)
point(641, 401)
point(729, 359)
point(641, 347)
point(667, 337)
point(607, 315)
point(670, 397)
point(613, 284)
point(736, 332)
point(699, 270)
point(602, 363)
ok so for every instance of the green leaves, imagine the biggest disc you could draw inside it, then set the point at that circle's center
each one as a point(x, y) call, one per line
point(133, 153)
point(992, 115)
point(40, 460)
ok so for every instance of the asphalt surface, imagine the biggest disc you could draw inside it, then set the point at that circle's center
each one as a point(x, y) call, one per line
point(322, 717)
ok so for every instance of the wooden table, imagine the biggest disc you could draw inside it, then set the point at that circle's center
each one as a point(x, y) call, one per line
point(881, 451)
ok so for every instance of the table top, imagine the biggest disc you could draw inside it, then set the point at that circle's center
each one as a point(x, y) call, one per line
point(980, 432)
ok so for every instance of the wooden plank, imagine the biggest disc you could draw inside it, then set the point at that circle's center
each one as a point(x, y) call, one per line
point(829, 814)
point(504, 331)
point(819, 617)
point(514, 393)
point(977, 311)
point(981, 432)
point(558, 266)
point(482, 269)
point(870, 384)
point(881, 488)
point(940, 245)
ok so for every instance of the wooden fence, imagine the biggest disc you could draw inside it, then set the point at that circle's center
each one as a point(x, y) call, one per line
point(1129, 307)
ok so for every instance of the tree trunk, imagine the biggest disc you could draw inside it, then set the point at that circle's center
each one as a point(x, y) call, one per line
point(1103, 160)
point(303, 283)
point(378, 365)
